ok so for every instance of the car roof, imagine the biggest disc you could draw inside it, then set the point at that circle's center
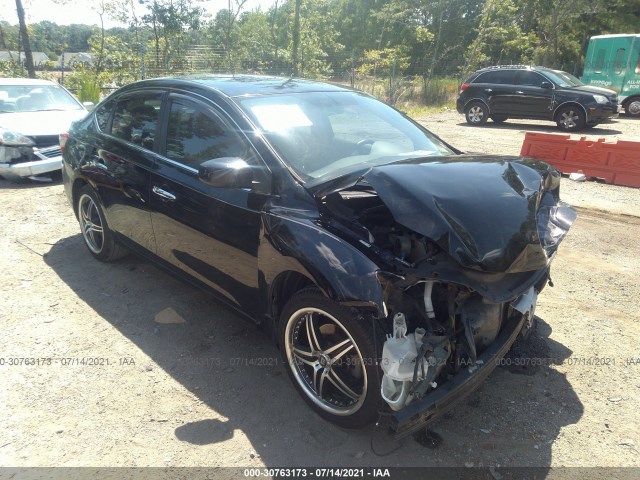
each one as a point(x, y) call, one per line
point(25, 81)
point(246, 85)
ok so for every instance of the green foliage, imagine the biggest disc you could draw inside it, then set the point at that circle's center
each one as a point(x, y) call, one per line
point(89, 90)
point(84, 83)
point(386, 62)
point(12, 69)
point(404, 51)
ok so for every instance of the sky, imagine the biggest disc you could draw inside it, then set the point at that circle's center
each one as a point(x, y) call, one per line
point(79, 11)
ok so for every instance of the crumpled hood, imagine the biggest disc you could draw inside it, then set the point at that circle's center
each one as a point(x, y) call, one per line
point(40, 123)
point(495, 214)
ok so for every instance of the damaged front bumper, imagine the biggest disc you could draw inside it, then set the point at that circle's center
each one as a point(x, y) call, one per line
point(419, 414)
point(44, 160)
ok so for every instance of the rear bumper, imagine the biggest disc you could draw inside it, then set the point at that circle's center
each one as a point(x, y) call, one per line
point(26, 169)
point(417, 415)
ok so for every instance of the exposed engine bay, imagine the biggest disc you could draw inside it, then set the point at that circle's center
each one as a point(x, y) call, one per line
point(438, 322)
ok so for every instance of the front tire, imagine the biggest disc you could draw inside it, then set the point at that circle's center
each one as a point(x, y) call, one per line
point(499, 118)
point(570, 118)
point(330, 356)
point(97, 236)
point(476, 113)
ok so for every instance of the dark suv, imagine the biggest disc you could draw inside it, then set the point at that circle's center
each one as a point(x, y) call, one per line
point(514, 91)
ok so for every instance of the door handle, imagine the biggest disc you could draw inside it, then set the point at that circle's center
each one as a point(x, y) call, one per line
point(519, 91)
point(488, 90)
point(164, 194)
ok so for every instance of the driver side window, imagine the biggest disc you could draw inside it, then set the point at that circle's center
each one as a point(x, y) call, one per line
point(195, 135)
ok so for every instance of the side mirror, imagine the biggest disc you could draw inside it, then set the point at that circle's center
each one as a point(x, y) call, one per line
point(547, 85)
point(226, 172)
point(88, 105)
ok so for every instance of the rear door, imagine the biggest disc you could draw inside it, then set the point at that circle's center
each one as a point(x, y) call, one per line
point(122, 162)
point(496, 87)
point(210, 233)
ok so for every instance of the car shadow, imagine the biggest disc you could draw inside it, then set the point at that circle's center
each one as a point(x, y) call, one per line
point(602, 129)
point(236, 371)
point(24, 183)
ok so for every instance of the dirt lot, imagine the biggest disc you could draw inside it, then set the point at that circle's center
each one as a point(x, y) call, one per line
point(177, 380)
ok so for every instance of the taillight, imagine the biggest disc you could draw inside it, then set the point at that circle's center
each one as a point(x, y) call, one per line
point(464, 86)
point(63, 137)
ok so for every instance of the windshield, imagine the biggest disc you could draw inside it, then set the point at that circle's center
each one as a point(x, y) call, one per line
point(323, 135)
point(35, 98)
point(563, 79)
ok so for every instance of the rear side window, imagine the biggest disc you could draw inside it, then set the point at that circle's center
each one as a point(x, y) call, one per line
point(599, 63)
point(103, 115)
point(506, 77)
point(136, 119)
point(619, 62)
point(195, 135)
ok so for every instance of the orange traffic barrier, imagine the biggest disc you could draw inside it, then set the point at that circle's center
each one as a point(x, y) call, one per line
point(615, 162)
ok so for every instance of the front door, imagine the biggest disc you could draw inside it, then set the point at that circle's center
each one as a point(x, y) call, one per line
point(210, 233)
point(530, 100)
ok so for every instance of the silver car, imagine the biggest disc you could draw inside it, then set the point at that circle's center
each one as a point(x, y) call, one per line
point(33, 113)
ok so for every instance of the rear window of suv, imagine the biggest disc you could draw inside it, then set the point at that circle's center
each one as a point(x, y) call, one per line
point(506, 77)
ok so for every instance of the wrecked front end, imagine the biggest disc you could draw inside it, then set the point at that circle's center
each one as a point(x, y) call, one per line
point(465, 245)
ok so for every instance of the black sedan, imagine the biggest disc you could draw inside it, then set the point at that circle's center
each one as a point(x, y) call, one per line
point(393, 271)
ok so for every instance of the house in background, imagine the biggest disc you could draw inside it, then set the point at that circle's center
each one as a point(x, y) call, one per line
point(75, 59)
point(39, 58)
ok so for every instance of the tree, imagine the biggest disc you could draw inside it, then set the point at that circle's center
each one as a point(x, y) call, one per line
point(24, 36)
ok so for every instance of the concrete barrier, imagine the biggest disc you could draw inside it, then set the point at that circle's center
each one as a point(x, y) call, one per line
point(615, 162)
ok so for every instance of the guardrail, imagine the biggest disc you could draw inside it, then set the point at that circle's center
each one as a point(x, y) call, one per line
point(617, 162)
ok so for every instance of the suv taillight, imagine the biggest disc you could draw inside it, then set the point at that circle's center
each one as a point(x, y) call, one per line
point(463, 87)
point(63, 137)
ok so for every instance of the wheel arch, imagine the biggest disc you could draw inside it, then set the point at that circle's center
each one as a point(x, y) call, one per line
point(570, 102)
point(285, 286)
point(78, 184)
point(630, 99)
point(476, 99)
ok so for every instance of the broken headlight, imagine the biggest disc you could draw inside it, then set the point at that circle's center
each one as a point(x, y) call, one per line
point(15, 147)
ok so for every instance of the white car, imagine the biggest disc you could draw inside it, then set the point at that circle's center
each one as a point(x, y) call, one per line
point(33, 113)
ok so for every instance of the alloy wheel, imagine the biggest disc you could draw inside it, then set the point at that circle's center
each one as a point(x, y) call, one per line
point(569, 119)
point(91, 223)
point(326, 361)
point(475, 114)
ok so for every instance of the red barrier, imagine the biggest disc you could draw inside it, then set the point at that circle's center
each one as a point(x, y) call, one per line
point(615, 162)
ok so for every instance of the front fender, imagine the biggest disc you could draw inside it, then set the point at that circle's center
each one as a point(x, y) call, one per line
point(344, 273)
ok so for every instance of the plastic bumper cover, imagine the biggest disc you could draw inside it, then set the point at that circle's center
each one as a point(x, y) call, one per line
point(26, 169)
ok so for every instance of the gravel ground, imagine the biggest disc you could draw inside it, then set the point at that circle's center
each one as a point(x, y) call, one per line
point(175, 379)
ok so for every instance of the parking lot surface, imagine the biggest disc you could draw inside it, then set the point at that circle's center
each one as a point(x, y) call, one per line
point(123, 365)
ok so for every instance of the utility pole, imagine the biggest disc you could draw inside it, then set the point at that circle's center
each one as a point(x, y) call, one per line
point(296, 37)
point(62, 68)
point(142, 52)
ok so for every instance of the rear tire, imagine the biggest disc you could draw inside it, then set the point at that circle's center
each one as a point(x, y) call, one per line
point(570, 118)
point(499, 118)
point(330, 356)
point(632, 108)
point(97, 236)
point(476, 113)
